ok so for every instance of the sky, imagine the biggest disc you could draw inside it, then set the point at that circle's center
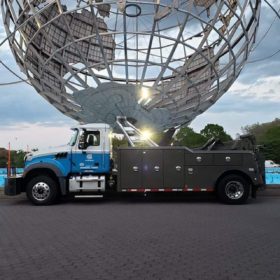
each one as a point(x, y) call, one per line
point(27, 120)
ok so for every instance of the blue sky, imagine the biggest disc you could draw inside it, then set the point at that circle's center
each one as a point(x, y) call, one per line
point(27, 119)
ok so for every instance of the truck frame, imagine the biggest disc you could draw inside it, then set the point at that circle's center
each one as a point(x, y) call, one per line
point(85, 167)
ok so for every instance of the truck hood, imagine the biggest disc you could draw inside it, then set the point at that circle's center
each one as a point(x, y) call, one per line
point(51, 151)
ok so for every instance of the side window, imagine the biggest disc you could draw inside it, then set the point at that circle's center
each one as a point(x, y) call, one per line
point(92, 138)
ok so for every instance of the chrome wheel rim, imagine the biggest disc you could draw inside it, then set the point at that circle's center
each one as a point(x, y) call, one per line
point(234, 190)
point(41, 191)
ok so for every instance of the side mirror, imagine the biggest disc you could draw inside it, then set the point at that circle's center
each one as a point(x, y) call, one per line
point(82, 144)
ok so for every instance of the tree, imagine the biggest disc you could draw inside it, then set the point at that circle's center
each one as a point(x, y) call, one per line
point(17, 158)
point(258, 130)
point(268, 136)
point(3, 158)
point(186, 136)
point(271, 143)
point(216, 131)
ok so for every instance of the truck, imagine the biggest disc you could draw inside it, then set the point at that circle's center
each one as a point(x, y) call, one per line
point(85, 168)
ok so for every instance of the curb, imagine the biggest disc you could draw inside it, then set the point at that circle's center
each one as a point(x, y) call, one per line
point(273, 187)
point(270, 190)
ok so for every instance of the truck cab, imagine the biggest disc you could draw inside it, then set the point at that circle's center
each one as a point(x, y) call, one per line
point(79, 167)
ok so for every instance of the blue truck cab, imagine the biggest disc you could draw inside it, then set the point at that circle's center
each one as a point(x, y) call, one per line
point(80, 167)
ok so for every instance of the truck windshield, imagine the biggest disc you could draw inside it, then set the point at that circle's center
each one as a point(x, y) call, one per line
point(74, 137)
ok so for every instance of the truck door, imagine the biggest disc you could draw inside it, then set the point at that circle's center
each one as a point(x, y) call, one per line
point(89, 155)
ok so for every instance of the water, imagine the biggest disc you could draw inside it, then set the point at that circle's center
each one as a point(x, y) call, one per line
point(272, 175)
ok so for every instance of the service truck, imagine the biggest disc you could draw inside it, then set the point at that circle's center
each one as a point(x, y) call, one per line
point(85, 168)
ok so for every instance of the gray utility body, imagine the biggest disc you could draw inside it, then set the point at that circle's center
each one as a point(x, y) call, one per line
point(180, 169)
point(85, 167)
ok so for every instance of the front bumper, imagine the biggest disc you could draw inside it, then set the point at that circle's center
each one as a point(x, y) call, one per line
point(13, 185)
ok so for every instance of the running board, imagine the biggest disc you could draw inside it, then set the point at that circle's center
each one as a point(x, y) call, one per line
point(89, 196)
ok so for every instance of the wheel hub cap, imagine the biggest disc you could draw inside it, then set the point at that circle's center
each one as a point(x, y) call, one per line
point(234, 190)
point(41, 191)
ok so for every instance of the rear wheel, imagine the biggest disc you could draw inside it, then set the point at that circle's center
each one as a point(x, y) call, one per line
point(42, 190)
point(233, 189)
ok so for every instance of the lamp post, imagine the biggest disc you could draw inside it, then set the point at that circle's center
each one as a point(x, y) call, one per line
point(9, 160)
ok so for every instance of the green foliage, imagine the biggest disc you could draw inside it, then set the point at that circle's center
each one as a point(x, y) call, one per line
point(259, 130)
point(17, 158)
point(3, 157)
point(189, 138)
point(271, 134)
point(216, 131)
point(271, 143)
point(267, 135)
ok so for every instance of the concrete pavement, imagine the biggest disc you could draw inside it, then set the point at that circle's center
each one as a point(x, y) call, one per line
point(136, 238)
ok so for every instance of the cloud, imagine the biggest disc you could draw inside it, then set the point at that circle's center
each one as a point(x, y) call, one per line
point(244, 104)
point(263, 89)
point(19, 104)
point(36, 135)
point(266, 44)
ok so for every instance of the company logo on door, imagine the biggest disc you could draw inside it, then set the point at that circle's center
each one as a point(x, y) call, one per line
point(89, 156)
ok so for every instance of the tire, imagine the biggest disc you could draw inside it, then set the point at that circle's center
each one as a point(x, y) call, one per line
point(42, 190)
point(233, 189)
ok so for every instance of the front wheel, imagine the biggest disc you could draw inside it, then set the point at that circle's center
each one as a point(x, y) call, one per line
point(42, 190)
point(233, 189)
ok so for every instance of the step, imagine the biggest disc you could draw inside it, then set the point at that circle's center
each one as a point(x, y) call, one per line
point(89, 196)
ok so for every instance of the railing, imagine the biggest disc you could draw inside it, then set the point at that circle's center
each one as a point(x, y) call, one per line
point(4, 172)
point(272, 175)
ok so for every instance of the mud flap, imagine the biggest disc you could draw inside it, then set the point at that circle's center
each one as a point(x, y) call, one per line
point(13, 186)
point(254, 191)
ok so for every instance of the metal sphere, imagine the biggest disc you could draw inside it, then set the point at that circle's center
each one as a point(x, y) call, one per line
point(159, 62)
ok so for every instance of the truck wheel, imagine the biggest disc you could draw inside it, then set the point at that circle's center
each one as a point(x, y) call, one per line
point(233, 189)
point(42, 190)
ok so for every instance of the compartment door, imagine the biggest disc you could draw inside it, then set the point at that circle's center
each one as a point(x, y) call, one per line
point(131, 169)
point(152, 169)
point(174, 169)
